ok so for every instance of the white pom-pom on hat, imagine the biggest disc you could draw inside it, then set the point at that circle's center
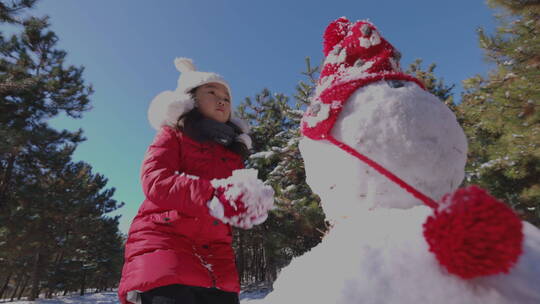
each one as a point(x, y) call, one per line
point(184, 65)
point(167, 107)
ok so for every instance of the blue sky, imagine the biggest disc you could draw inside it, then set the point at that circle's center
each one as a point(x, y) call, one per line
point(128, 48)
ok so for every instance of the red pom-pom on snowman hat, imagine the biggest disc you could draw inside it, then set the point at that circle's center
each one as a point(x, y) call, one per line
point(471, 233)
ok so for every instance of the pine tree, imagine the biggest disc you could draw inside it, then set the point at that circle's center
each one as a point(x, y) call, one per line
point(433, 84)
point(10, 9)
point(34, 87)
point(50, 207)
point(500, 111)
point(297, 224)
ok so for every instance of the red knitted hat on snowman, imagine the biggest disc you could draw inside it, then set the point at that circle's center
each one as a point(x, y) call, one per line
point(356, 55)
point(470, 232)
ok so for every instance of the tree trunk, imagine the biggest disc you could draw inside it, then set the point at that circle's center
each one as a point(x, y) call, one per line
point(52, 282)
point(4, 287)
point(4, 183)
point(7, 173)
point(241, 264)
point(256, 265)
point(25, 284)
point(83, 281)
point(36, 276)
point(262, 265)
point(16, 288)
point(252, 263)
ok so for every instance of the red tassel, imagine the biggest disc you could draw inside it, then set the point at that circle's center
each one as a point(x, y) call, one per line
point(473, 234)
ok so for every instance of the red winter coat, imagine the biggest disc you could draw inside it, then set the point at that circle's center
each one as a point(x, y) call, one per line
point(173, 239)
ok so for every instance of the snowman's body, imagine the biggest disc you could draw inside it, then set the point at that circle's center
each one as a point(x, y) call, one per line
point(384, 259)
point(376, 252)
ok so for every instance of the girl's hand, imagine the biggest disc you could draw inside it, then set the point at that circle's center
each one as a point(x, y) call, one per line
point(241, 200)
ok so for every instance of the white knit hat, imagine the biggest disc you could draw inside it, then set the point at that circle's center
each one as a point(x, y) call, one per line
point(191, 78)
point(168, 106)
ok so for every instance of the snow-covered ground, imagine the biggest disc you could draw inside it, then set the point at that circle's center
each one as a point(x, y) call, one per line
point(111, 297)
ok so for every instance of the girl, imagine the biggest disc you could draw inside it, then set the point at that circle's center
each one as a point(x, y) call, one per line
point(178, 248)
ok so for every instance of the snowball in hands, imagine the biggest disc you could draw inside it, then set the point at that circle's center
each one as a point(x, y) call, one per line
point(241, 200)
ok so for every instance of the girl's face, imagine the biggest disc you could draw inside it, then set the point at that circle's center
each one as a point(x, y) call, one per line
point(213, 101)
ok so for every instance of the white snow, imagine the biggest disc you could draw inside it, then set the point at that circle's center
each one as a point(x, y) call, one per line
point(109, 297)
point(203, 262)
point(365, 42)
point(319, 112)
point(501, 160)
point(277, 170)
point(257, 197)
point(337, 55)
point(509, 75)
point(294, 112)
point(375, 38)
point(193, 177)
point(289, 188)
point(262, 154)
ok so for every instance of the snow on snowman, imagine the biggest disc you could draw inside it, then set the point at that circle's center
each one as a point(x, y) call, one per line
point(387, 157)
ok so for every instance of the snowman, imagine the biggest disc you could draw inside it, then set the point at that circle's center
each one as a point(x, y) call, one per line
point(386, 158)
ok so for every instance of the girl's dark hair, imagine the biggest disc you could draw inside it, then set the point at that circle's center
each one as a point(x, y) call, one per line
point(187, 120)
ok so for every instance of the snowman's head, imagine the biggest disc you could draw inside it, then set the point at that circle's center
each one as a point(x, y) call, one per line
point(388, 117)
